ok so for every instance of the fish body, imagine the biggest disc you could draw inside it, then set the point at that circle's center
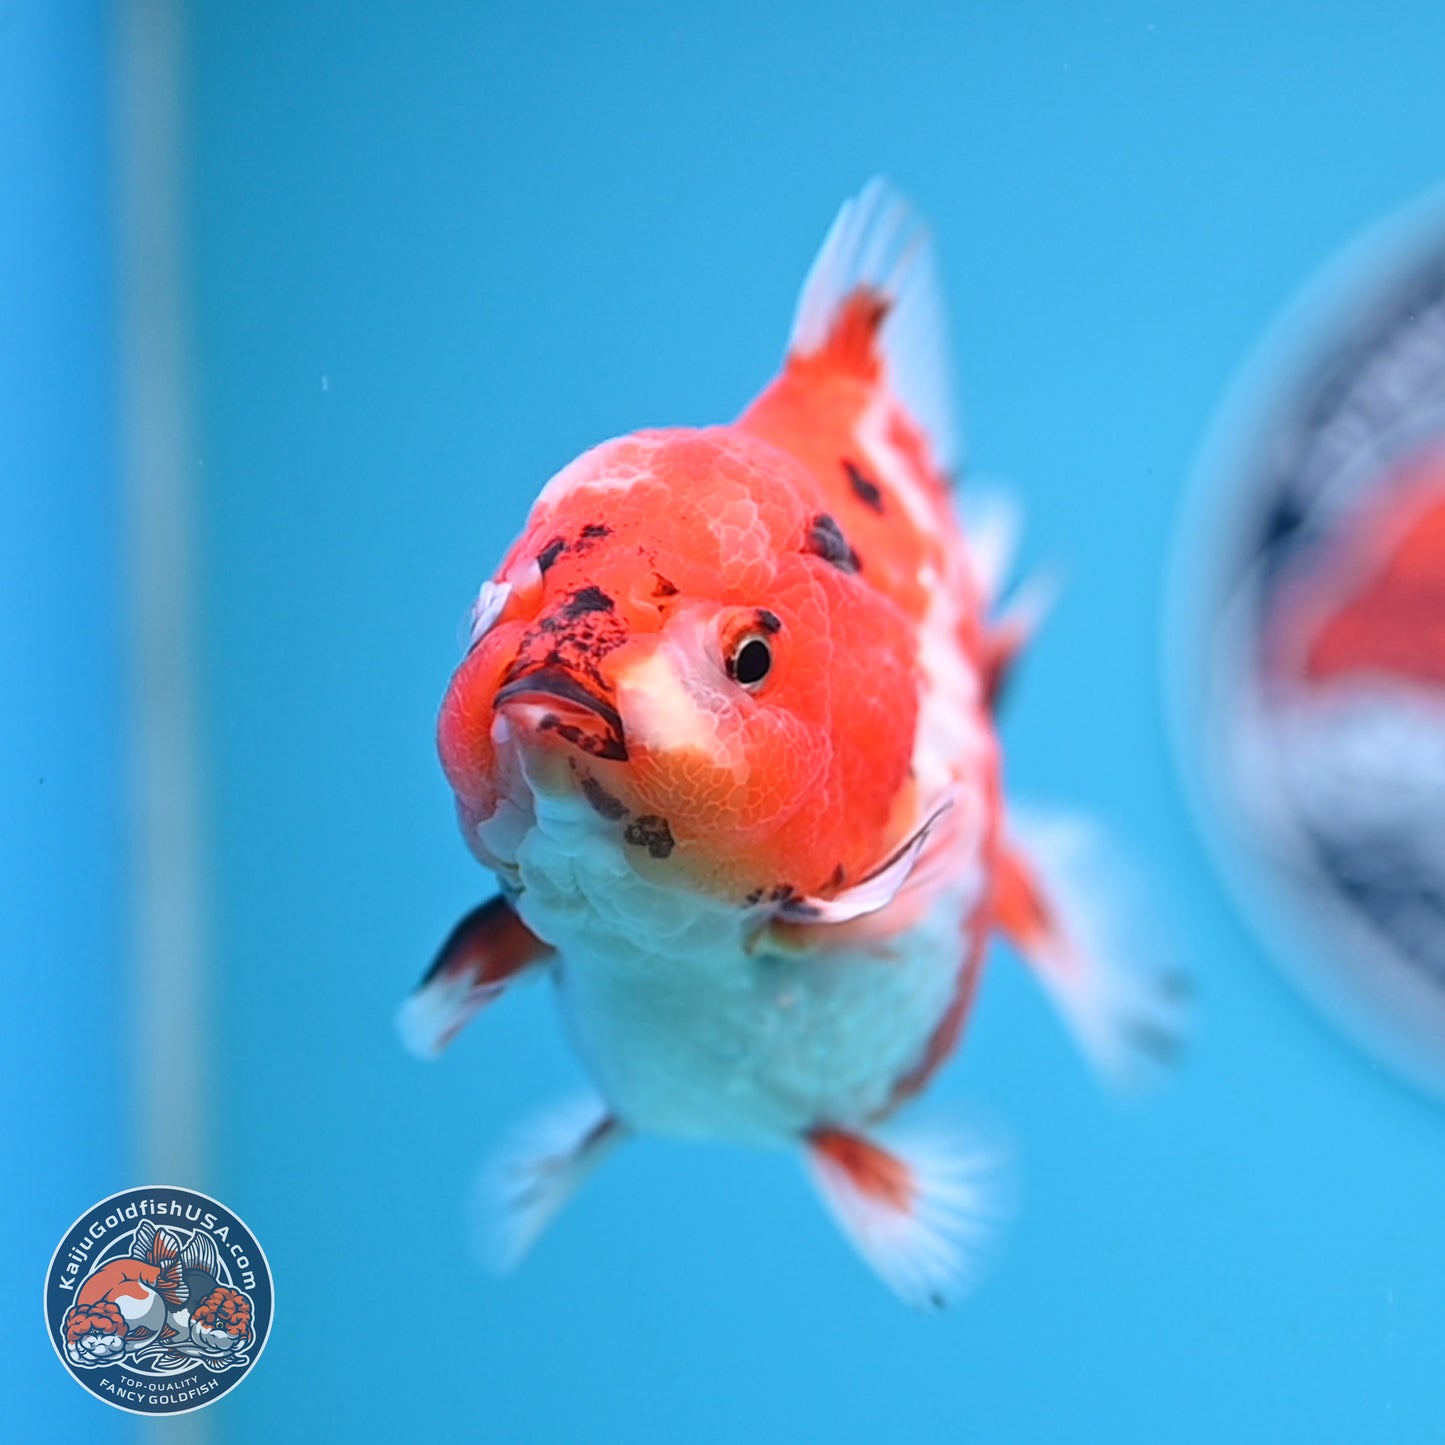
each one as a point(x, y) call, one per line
point(162, 1299)
point(126, 1302)
point(725, 733)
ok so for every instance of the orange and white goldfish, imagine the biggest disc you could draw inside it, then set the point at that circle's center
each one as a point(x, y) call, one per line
point(162, 1298)
point(725, 733)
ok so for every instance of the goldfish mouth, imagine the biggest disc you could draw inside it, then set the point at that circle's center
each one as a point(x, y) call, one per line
point(570, 709)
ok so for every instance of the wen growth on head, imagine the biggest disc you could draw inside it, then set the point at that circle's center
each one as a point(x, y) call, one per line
point(725, 735)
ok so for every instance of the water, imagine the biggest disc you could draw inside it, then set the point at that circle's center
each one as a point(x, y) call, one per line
point(436, 251)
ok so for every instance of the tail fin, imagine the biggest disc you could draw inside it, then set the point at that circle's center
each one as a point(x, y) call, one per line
point(524, 1190)
point(200, 1253)
point(143, 1239)
point(921, 1214)
point(872, 294)
point(1063, 904)
point(154, 1246)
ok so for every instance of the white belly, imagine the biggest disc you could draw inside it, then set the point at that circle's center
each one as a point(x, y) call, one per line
point(687, 1032)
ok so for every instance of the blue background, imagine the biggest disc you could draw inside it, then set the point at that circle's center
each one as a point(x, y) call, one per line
point(438, 250)
point(62, 731)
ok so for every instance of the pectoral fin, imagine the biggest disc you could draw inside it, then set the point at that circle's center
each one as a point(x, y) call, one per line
point(488, 949)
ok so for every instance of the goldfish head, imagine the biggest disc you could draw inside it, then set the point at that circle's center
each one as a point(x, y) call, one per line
point(681, 640)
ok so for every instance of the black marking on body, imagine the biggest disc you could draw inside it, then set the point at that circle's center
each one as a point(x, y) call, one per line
point(603, 746)
point(769, 621)
point(826, 540)
point(603, 803)
point(585, 600)
point(781, 892)
point(664, 588)
point(800, 910)
point(651, 831)
point(756, 896)
point(864, 487)
point(595, 531)
point(837, 877)
point(549, 554)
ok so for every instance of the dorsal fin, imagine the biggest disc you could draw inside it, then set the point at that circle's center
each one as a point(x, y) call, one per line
point(874, 284)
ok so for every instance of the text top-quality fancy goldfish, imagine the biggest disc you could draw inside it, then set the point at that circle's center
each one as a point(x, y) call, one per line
point(725, 735)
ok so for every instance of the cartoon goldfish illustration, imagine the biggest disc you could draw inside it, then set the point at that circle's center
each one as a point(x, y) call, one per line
point(124, 1302)
point(725, 734)
point(139, 1302)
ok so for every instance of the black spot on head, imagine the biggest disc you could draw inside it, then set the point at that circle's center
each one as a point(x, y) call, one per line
point(769, 621)
point(651, 832)
point(664, 588)
point(585, 600)
point(825, 539)
point(595, 531)
point(603, 803)
point(864, 487)
point(550, 553)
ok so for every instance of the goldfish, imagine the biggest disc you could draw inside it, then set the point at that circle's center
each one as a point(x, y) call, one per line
point(725, 733)
point(141, 1302)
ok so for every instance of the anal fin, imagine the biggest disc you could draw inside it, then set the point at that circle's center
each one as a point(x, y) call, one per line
point(481, 955)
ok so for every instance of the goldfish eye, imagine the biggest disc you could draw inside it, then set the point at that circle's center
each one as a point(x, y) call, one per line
point(750, 660)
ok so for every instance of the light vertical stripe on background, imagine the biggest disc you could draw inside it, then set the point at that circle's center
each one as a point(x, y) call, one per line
point(169, 944)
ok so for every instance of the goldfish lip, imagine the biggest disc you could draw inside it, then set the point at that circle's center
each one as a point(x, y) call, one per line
point(580, 711)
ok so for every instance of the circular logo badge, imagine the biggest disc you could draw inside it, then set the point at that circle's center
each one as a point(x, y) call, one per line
point(158, 1300)
point(1311, 656)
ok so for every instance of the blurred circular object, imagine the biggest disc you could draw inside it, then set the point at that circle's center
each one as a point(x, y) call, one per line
point(1307, 645)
